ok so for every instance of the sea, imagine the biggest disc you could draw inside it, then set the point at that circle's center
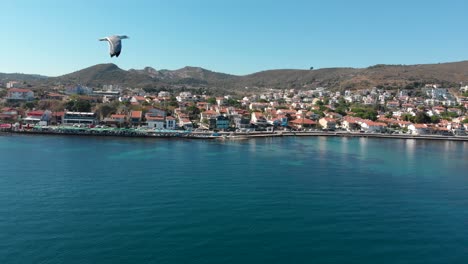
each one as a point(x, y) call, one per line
point(77, 199)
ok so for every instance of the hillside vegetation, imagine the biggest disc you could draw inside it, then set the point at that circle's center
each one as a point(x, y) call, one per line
point(388, 76)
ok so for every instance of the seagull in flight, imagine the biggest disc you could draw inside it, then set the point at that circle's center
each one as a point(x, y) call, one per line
point(115, 44)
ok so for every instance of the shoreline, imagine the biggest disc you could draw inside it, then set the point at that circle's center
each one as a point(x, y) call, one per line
point(234, 135)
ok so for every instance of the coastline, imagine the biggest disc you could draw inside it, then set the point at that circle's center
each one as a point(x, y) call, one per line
point(229, 135)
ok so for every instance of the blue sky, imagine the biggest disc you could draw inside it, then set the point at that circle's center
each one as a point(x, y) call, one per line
point(231, 36)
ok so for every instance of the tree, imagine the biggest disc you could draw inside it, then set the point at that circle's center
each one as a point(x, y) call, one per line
point(449, 115)
point(341, 110)
point(106, 110)
point(233, 102)
point(407, 117)
point(173, 102)
point(30, 105)
point(365, 112)
point(422, 118)
point(319, 103)
point(319, 113)
point(78, 105)
point(193, 112)
point(211, 100)
point(83, 106)
point(435, 119)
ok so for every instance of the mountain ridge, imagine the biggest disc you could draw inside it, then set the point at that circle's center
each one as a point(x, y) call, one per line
point(451, 73)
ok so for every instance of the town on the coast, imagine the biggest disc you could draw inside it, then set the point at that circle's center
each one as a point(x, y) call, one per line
point(432, 110)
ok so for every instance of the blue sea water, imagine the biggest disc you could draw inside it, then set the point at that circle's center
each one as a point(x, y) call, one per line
point(274, 200)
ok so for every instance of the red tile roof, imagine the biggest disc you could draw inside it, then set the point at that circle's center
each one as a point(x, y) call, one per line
point(155, 118)
point(117, 116)
point(303, 121)
point(35, 113)
point(136, 114)
point(372, 123)
point(328, 119)
point(19, 90)
point(209, 112)
point(139, 98)
point(420, 125)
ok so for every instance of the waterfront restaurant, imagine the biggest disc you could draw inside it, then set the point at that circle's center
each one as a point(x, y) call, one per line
point(71, 118)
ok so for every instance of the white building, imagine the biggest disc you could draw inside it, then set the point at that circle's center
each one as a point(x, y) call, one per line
point(164, 94)
point(170, 123)
point(12, 84)
point(418, 129)
point(156, 122)
point(184, 96)
point(371, 126)
point(79, 118)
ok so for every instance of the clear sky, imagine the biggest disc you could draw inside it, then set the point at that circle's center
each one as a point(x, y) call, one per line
point(232, 36)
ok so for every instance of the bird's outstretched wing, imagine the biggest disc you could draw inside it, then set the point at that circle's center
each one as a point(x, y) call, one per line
point(115, 44)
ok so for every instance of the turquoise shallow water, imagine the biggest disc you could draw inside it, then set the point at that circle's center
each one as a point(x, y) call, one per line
point(281, 200)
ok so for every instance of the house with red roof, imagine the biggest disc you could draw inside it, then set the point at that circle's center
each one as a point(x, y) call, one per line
point(301, 123)
point(286, 111)
point(258, 106)
point(56, 118)
point(18, 94)
point(220, 100)
point(170, 123)
point(371, 126)
point(351, 123)
point(418, 129)
point(119, 118)
point(327, 123)
point(185, 123)
point(9, 114)
point(55, 96)
point(208, 114)
point(33, 117)
point(136, 117)
point(393, 104)
point(138, 99)
point(438, 109)
point(394, 122)
point(408, 107)
point(156, 122)
point(333, 115)
point(443, 131)
point(203, 106)
point(257, 118)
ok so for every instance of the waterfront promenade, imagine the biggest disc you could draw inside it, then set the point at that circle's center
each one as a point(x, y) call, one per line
point(154, 133)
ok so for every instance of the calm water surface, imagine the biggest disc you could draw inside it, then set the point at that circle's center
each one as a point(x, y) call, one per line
point(282, 200)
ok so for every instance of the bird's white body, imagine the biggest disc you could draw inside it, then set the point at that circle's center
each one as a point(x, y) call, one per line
point(115, 44)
